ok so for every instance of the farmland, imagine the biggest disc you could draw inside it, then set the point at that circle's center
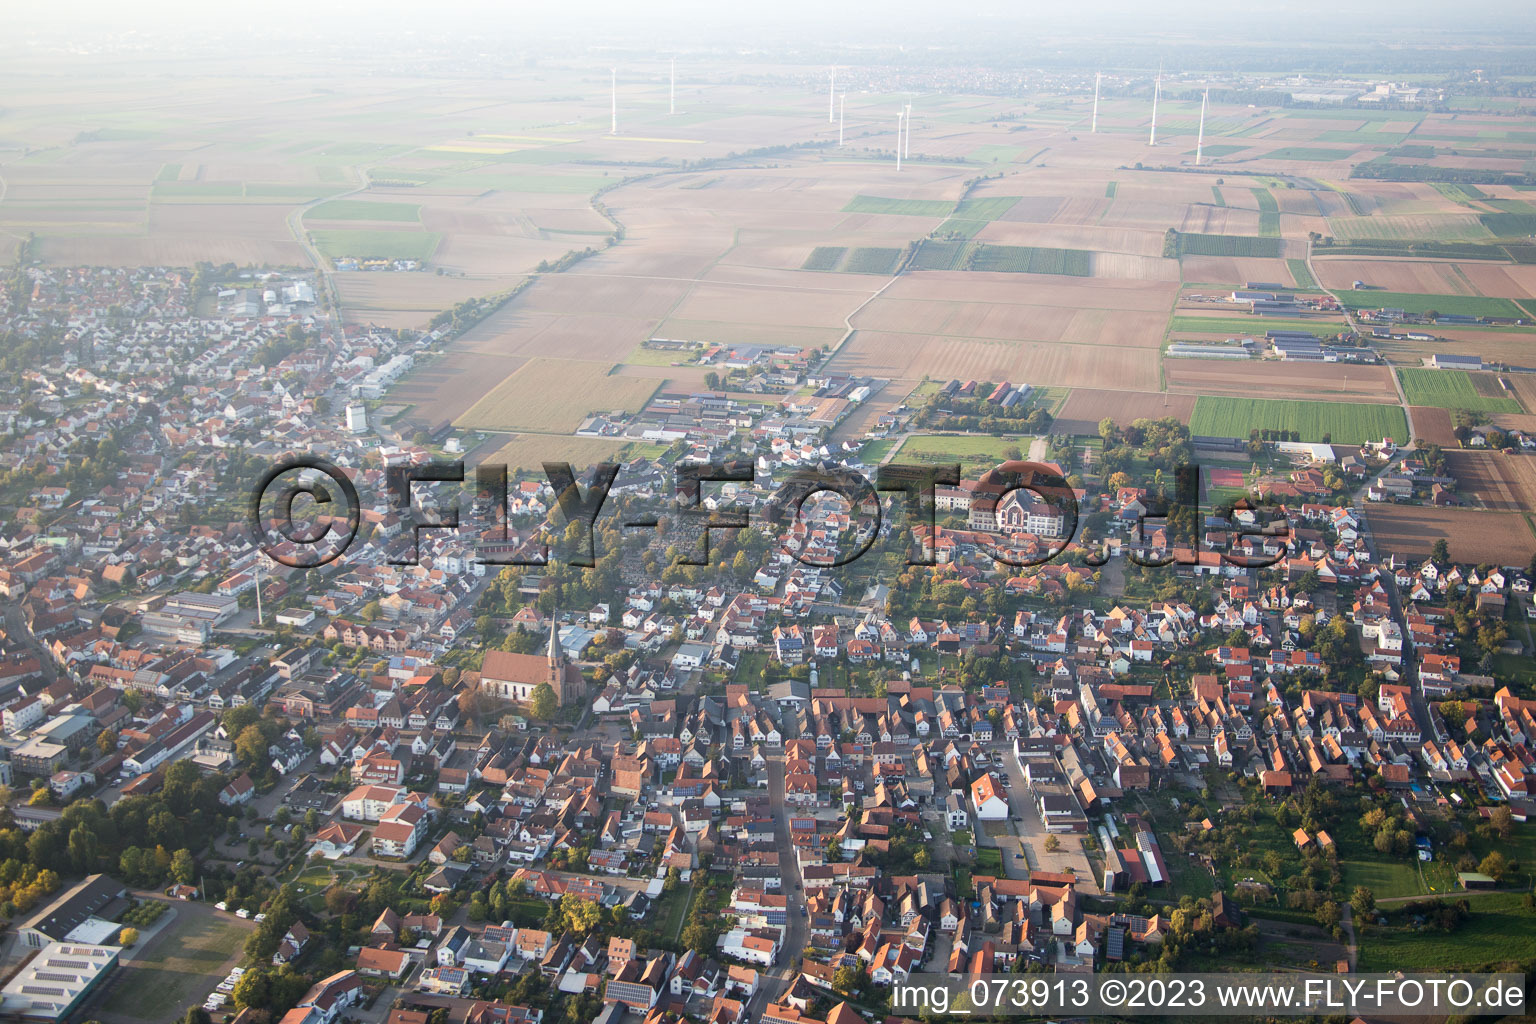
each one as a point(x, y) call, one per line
point(1344, 424)
point(1503, 483)
point(1474, 535)
point(1085, 407)
point(1280, 380)
point(1251, 326)
point(1456, 305)
point(1310, 154)
point(554, 395)
point(531, 451)
point(1016, 259)
point(1196, 244)
point(377, 245)
point(360, 209)
point(1450, 389)
point(900, 207)
point(1300, 274)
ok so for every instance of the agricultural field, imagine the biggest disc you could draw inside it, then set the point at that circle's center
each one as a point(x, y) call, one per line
point(1196, 244)
point(1085, 407)
point(900, 207)
point(362, 209)
point(530, 451)
point(1433, 425)
point(1309, 154)
point(376, 245)
point(1454, 389)
point(1338, 422)
point(1300, 274)
point(1474, 535)
point(1251, 326)
point(1336, 382)
point(1493, 480)
point(972, 215)
point(554, 396)
point(1455, 305)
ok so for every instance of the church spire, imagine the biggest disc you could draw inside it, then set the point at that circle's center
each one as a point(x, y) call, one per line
point(554, 652)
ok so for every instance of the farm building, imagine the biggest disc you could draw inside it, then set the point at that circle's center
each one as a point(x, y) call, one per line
point(1185, 350)
point(1298, 349)
point(1448, 361)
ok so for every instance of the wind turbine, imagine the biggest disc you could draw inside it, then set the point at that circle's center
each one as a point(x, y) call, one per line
point(907, 149)
point(900, 115)
point(613, 74)
point(1200, 139)
point(831, 94)
point(842, 102)
point(1098, 77)
point(1157, 90)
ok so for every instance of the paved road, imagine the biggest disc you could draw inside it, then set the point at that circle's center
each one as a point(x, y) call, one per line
point(1349, 318)
point(777, 980)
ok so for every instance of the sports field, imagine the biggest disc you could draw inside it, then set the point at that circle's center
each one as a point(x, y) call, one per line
point(180, 966)
point(1338, 422)
point(1450, 389)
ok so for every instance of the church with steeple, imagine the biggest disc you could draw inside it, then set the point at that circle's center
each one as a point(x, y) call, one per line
point(515, 676)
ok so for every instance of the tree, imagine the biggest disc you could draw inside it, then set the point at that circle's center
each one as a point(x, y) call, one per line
point(183, 867)
point(544, 703)
point(1494, 865)
point(251, 745)
point(196, 1015)
point(1052, 843)
point(127, 937)
point(847, 979)
point(1363, 900)
point(1328, 914)
point(1440, 551)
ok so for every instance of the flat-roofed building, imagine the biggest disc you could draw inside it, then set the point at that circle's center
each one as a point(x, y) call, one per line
point(89, 901)
point(56, 982)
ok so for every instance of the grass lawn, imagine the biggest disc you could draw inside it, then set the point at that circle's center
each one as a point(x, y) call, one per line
point(1343, 423)
point(1187, 877)
point(874, 451)
point(1450, 389)
point(644, 355)
point(1385, 878)
point(1500, 931)
point(989, 861)
point(967, 449)
point(673, 911)
point(183, 967)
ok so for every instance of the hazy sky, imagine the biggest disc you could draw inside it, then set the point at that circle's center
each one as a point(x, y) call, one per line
point(809, 23)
